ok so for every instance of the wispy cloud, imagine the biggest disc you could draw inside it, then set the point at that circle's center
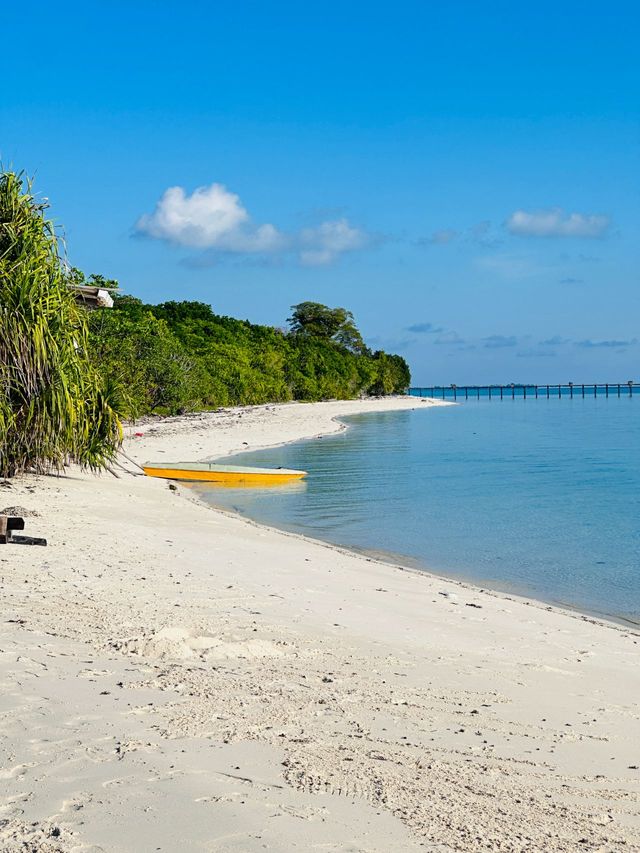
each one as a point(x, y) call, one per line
point(478, 233)
point(555, 341)
point(498, 341)
point(482, 234)
point(480, 230)
point(608, 344)
point(440, 237)
point(323, 244)
point(509, 266)
point(389, 344)
point(554, 222)
point(537, 353)
point(425, 329)
point(570, 280)
point(214, 220)
point(450, 338)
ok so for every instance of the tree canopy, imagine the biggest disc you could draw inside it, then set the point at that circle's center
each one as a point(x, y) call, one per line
point(181, 356)
point(312, 319)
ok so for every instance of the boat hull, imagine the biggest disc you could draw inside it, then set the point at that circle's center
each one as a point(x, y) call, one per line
point(226, 478)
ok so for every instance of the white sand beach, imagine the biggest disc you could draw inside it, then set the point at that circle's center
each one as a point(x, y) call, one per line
point(175, 678)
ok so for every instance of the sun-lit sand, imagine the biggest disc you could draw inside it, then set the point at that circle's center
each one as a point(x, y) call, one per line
point(176, 678)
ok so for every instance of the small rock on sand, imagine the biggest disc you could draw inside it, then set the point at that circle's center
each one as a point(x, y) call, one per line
point(20, 511)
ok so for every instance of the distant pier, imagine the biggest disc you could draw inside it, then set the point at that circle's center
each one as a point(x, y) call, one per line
point(524, 392)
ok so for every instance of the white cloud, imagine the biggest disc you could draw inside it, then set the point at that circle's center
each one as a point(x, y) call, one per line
point(213, 218)
point(210, 218)
point(556, 223)
point(325, 243)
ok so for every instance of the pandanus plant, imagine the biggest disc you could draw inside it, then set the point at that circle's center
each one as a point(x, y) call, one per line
point(54, 407)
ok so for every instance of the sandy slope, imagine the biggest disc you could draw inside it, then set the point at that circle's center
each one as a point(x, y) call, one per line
point(173, 678)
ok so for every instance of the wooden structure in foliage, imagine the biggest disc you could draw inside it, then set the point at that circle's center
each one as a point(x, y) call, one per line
point(92, 297)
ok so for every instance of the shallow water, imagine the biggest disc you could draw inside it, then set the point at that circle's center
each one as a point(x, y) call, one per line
point(538, 497)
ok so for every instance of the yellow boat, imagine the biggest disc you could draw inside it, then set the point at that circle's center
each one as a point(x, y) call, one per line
point(228, 475)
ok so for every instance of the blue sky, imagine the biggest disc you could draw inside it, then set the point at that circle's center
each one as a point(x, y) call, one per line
point(464, 177)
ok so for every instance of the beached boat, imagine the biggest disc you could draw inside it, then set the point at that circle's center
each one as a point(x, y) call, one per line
point(213, 472)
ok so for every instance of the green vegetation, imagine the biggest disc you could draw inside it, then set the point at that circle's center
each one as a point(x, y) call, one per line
point(67, 375)
point(313, 320)
point(54, 406)
point(180, 356)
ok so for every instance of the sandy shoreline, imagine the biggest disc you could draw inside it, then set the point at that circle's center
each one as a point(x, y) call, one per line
point(178, 678)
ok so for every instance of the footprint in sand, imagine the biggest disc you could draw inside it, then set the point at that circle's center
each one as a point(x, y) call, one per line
point(95, 673)
point(178, 643)
point(16, 771)
point(11, 807)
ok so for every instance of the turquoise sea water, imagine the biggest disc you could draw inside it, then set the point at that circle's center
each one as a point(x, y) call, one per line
point(537, 497)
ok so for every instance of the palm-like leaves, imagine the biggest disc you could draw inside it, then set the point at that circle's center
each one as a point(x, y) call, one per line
point(54, 408)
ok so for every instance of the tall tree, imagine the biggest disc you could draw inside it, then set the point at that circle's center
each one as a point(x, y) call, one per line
point(312, 319)
point(54, 407)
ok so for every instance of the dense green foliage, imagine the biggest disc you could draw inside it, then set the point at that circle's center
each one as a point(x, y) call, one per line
point(67, 375)
point(54, 406)
point(180, 356)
